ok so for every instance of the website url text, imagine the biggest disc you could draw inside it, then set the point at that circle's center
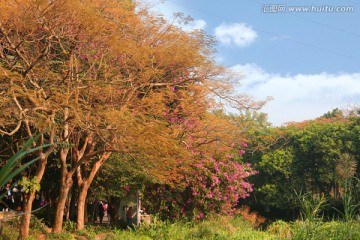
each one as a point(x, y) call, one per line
point(282, 8)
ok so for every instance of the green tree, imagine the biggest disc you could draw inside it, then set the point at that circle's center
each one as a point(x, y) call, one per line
point(278, 182)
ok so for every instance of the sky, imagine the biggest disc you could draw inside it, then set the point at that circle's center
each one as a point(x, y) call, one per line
point(305, 54)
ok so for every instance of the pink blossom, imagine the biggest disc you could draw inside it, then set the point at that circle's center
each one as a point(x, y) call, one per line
point(217, 168)
point(241, 152)
point(216, 180)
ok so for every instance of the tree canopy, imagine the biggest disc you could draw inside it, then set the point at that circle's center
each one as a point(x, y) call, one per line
point(101, 77)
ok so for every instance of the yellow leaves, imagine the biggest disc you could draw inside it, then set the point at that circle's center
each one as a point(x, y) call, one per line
point(104, 69)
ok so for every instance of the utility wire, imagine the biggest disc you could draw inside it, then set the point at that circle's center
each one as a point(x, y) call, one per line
point(326, 25)
point(281, 36)
point(316, 22)
point(356, 3)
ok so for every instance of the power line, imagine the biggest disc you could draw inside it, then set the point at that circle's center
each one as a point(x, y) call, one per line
point(316, 22)
point(356, 3)
point(280, 36)
point(326, 25)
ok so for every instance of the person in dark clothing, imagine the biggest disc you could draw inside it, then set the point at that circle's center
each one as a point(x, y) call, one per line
point(101, 211)
point(111, 213)
point(129, 217)
point(36, 202)
point(95, 211)
point(7, 197)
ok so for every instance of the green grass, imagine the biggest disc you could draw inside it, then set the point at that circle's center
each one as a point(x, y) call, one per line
point(221, 228)
point(224, 228)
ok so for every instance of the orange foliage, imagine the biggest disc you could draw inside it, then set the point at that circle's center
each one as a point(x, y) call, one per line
point(253, 217)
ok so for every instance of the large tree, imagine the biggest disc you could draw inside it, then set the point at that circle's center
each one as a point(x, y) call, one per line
point(100, 78)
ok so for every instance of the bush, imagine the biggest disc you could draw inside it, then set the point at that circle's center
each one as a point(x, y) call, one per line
point(88, 234)
point(60, 236)
point(37, 225)
point(220, 228)
point(69, 226)
point(281, 229)
point(335, 230)
point(9, 233)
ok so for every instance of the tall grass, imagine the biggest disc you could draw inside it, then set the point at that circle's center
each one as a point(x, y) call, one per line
point(335, 230)
point(311, 206)
point(300, 230)
point(350, 198)
point(221, 228)
point(218, 228)
point(224, 228)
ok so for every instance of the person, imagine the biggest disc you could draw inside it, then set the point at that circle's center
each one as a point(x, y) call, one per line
point(129, 216)
point(36, 202)
point(143, 211)
point(142, 214)
point(111, 213)
point(101, 212)
point(105, 207)
point(8, 198)
point(95, 210)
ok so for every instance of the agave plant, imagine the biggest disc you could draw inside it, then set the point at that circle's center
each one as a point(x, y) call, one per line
point(10, 169)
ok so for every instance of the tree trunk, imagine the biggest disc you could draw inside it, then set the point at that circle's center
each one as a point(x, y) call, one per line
point(67, 207)
point(25, 219)
point(65, 184)
point(81, 206)
point(60, 206)
point(86, 214)
point(83, 186)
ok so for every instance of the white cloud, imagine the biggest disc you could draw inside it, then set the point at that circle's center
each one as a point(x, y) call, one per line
point(302, 96)
point(239, 34)
point(198, 24)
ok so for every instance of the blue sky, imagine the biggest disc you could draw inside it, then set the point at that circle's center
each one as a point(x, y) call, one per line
point(303, 53)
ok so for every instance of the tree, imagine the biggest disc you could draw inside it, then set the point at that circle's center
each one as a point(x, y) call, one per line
point(164, 81)
point(43, 80)
point(334, 113)
point(300, 157)
point(103, 78)
point(215, 180)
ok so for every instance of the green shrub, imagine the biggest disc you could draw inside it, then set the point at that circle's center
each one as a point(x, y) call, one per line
point(97, 229)
point(335, 230)
point(312, 206)
point(281, 229)
point(88, 234)
point(60, 236)
point(37, 225)
point(219, 228)
point(9, 233)
point(69, 226)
